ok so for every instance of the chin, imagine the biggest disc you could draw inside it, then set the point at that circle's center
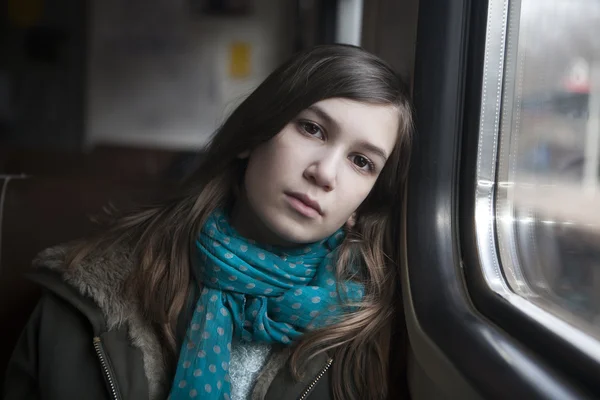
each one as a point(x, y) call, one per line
point(294, 233)
point(295, 236)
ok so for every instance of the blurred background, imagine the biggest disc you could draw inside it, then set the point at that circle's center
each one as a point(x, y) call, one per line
point(78, 75)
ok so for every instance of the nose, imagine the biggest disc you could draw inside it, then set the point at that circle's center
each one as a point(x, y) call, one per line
point(323, 171)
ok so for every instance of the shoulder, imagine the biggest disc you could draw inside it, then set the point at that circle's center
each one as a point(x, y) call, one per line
point(104, 267)
point(100, 277)
point(96, 288)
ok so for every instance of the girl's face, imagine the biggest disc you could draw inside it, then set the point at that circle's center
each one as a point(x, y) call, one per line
point(308, 180)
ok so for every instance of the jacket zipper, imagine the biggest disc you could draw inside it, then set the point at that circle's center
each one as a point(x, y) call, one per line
point(105, 369)
point(310, 387)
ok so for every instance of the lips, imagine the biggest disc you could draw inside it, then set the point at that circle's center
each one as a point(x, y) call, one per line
point(306, 201)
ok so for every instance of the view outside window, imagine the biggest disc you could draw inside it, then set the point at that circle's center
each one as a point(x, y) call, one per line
point(548, 189)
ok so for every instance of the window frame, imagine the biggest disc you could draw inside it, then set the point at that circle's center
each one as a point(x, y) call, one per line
point(558, 343)
point(447, 303)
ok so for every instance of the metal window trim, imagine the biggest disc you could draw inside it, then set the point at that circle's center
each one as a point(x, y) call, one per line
point(487, 186)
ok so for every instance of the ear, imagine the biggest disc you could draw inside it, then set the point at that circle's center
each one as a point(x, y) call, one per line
point(351, 221)
point(244, 154)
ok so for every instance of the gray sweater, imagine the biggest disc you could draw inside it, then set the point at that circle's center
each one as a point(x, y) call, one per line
point(247, 360)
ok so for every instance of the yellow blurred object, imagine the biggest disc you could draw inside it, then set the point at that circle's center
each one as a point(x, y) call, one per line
point(239, 60)
point(25, 13)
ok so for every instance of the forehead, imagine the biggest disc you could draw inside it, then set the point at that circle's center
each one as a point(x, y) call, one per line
point(378, 124)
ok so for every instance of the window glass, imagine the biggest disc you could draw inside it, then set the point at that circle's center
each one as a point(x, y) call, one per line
point(547, 204)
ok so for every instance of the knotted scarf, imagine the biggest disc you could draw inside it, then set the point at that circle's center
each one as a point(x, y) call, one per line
point(264, 294)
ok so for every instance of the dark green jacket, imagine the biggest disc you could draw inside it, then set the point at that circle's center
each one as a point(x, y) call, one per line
point(87, 340)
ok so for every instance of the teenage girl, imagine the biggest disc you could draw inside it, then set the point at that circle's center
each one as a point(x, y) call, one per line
point(265, 278)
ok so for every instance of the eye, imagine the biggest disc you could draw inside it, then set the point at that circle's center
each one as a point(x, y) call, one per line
point(311, 129)
point(363, 163)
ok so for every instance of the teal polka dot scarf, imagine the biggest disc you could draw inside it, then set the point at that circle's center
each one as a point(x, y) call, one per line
point(263, 294)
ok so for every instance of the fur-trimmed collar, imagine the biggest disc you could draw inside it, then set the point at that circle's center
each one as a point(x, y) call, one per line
point(102, 278)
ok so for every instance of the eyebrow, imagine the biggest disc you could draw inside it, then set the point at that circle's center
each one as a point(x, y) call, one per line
point(373, 149)
point(332, 122)
point(323, 115)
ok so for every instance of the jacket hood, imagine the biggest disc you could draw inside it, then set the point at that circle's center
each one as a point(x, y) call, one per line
point(102, 279)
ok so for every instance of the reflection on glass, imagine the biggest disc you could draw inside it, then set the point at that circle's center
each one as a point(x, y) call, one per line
point(548, 202)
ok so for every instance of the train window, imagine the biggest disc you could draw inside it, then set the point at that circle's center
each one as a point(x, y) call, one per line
point(538, 190)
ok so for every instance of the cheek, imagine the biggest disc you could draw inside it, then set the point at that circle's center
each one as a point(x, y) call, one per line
point(276, 161)
point(266, 168)
point(352, 196)
point(257, 175)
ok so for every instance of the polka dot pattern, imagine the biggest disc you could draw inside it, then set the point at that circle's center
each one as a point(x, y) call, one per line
point(261, 293)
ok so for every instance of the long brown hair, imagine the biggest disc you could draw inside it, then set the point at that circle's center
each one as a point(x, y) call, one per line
point(162, 233)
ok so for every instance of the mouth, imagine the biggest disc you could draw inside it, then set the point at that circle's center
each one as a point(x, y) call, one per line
point(304, 204)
